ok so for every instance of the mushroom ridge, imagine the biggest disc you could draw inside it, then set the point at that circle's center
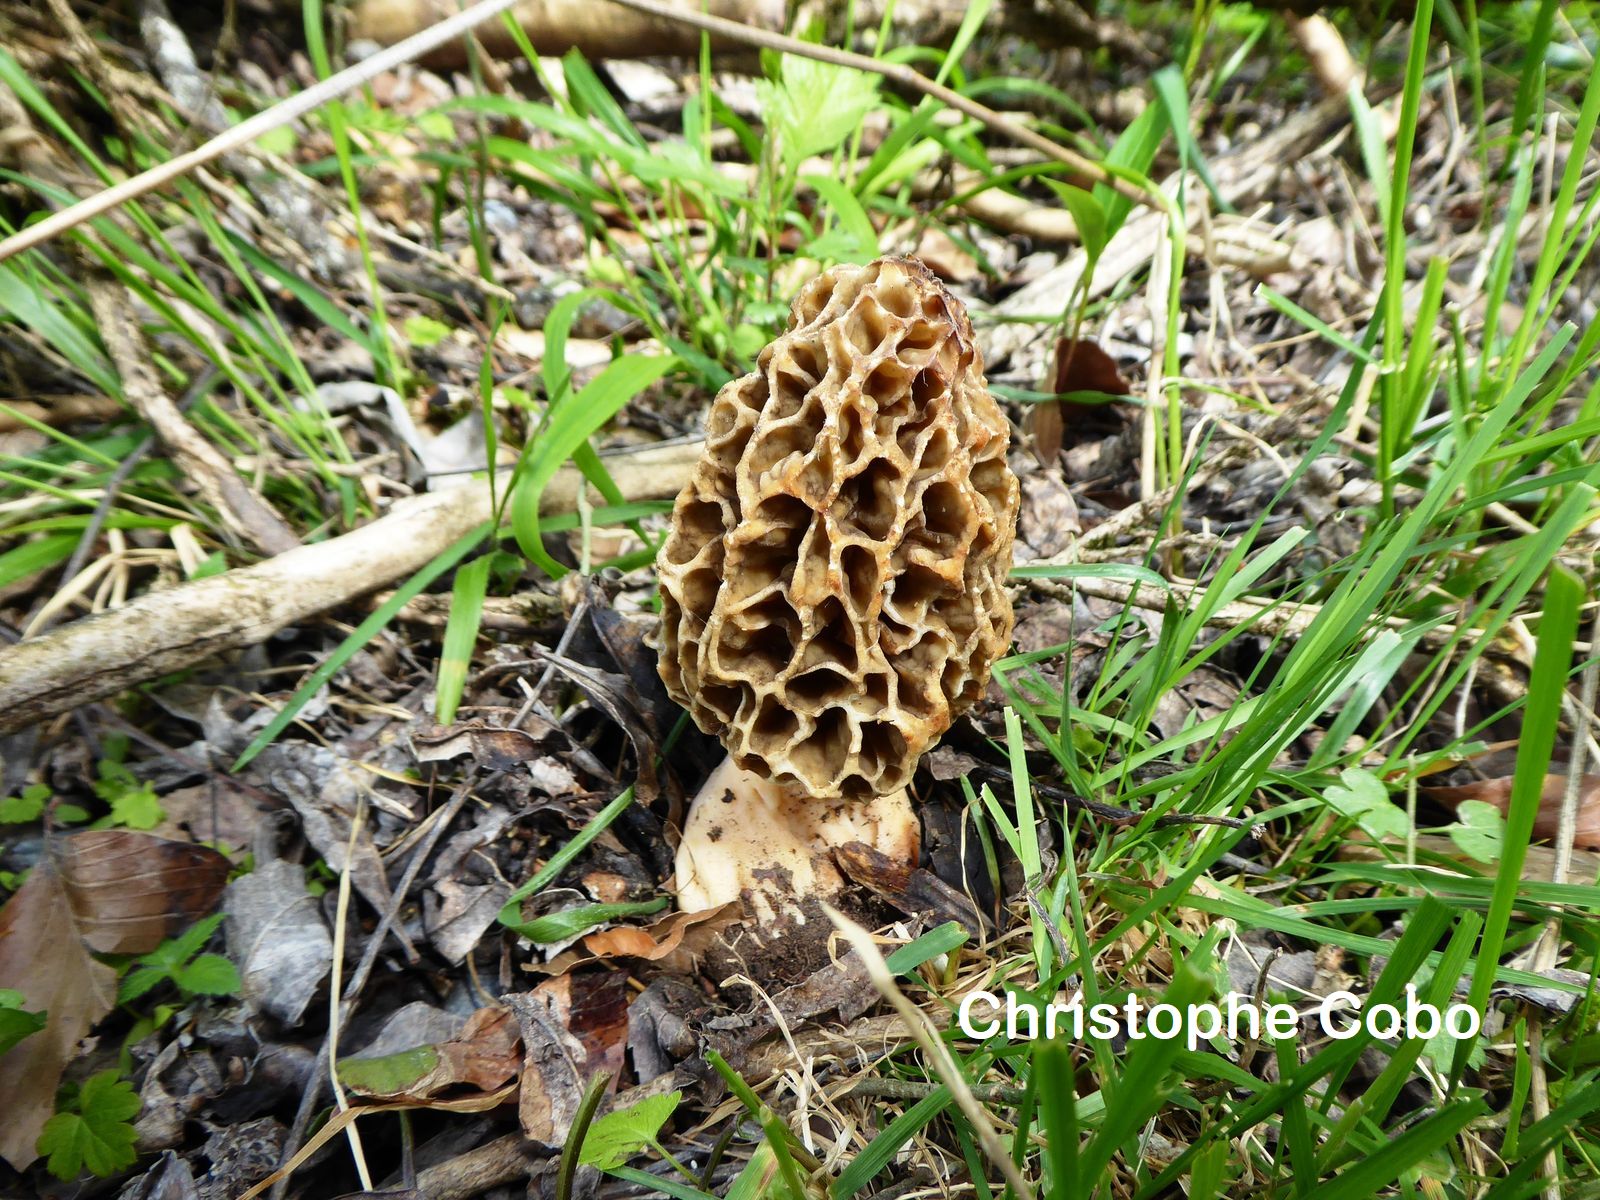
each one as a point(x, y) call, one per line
point(833, 581)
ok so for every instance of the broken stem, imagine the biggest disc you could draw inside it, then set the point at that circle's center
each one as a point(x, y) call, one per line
point(910, 1089)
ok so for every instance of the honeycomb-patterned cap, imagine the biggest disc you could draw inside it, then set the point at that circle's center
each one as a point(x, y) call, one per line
point(832, 588)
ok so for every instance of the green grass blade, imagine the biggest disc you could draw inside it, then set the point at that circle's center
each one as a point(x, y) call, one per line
point(941, 939)
point(1058, 1113)
point(1405, 1153)
point(1142, 1087)
point(1547, 686)
point(567, 428)
point(866, 1165)
point(460, 634)
point(559, 861)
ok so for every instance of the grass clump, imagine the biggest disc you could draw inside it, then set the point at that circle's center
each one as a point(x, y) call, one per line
point(1334, 563)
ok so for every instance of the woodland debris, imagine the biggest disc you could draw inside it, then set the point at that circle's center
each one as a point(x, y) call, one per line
point(483, 1056)
point(674, 944)
point(278, 939)
point(43, 956)
point(240, 508)
point(1242, 178)
point(1336, 70)
point(329, 793)
point(298, 211)
point(58, 411)
point(279, 115)
point(1540, 864)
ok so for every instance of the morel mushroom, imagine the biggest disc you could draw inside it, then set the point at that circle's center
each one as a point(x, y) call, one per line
point(833, 585)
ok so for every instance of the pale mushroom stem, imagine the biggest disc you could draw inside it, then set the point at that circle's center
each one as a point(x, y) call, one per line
point(746, 837)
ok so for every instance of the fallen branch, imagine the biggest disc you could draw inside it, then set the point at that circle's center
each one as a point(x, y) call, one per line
point(524, 614)
point(448, 30)
point(556, 26)
point(1322, 44)
point(297, 208)
point(240, 508)
point(60, 412)
point(167, 631)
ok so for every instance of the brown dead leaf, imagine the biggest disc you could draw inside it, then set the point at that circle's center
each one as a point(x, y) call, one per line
point(129, 892)
point(553, 1077)
point(944, 257)
point(109, 890)
point(593, 1007)
point(661, 943)
point(675, 943)
point(1080, 366)
point(484, 1056)
point(327, 791)
point(875, 871)
point(573, 1028)
point(1044, 423)
point(1586, 829)
point(43, 957)
point(608, 887)
point(629, 941)
point(497, 749)
point(209, 813)
point(913, 890)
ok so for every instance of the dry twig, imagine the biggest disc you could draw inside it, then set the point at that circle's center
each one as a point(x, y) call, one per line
point(240, 508)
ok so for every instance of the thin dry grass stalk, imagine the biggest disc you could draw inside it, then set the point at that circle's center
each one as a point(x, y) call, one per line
point(247, 131)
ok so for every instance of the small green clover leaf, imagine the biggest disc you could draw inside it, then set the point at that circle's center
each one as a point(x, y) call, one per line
point(29, 806)
point(175, 960)
point(1362, 797)
point(134, 805)
point(424, 332)
point(1479, 830)
point(16, 1022)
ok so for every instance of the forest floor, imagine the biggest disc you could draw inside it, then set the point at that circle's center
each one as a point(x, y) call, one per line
point(1294, 323)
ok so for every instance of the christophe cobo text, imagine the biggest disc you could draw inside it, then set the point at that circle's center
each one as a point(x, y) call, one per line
point(982, 1015)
